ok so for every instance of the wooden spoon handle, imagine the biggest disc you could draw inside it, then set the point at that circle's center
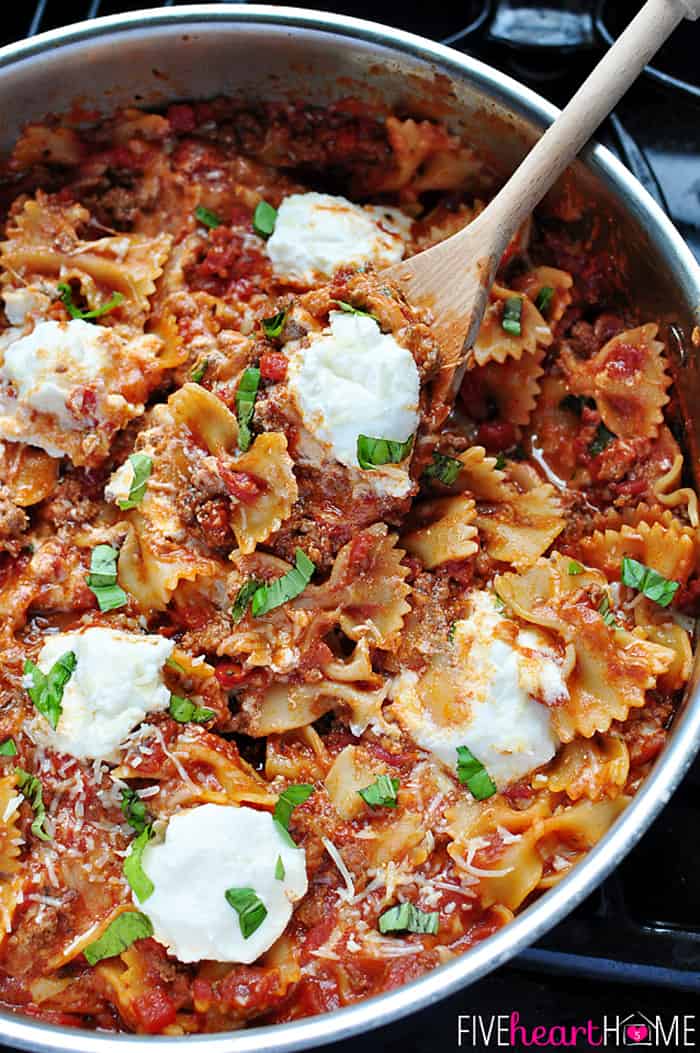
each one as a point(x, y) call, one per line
point(576, 123)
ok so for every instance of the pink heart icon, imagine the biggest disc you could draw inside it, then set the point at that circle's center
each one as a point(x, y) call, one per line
point(637, 1032)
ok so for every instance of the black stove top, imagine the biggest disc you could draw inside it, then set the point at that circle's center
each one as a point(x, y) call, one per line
point(633, 948)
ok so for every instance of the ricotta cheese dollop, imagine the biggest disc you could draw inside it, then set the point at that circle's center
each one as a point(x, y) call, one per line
point(41, 370)
point(491, 699)
point(353, 380)
point(206, 851)
point(315, 234)
point(117, 680)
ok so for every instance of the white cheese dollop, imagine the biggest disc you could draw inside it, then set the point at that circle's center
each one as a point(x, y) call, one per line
point(315, 234)
point(117, 680)
point(487, 702)
point(353, 380)
point(206, 851)
point(24, 301)
point(45, 366)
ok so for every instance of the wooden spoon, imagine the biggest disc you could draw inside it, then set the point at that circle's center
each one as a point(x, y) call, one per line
point(453, 278)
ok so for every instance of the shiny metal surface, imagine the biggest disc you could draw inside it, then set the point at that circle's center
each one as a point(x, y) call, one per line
point(148, 58)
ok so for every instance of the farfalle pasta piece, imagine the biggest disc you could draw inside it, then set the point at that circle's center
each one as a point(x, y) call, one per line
point(569, 834)
point(521, 528)
point(208, 419)
point(151, 566)
point(628, 380)
point(10, 800)
point(671, 495)
point(480, 475)
point(29, 473)
point(593, 768)
point(670, 549)
point(532, 283)
point(614, 668)
point(269, 461)
point(496, 344)
point(512, 387)
point(658, 628)
point(449, 535)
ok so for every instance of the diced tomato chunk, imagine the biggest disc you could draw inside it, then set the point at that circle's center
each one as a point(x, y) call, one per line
point(182, 117)
point(496, 435)
point(155, 1009)
point(230, 674)
point(244, 486)
point(273, 366)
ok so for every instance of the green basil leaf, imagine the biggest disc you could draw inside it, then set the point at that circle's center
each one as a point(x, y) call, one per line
point(275, 593)
point(119, 935)
point(198, 371)
point(606, 614)
point(445, 469)
point(371, 453)
point(66, 298)
point(142, 466)
point(46, 691)
point(133, 871)
point(207, 218)
point(272, 327)
point(472, 774)
point(185, 711)
point(451, 632)
point(512, 314)
point(285, 805)
point(8, 748)
point(500, 462)
point(544, 298)
point(134, 810)
point(279, 869)
point(30, 788)
point(250, 909)
point(102, 579)
point(602, 438)
point(648, 581)
point(575, 403)
point(246, 394)
point(381, 793)
point(404, 917)
point(349, 309)
point(264, 219)
point(242, 600)
point(575, 567)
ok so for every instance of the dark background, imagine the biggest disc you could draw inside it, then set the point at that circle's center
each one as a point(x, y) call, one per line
point(635, 944)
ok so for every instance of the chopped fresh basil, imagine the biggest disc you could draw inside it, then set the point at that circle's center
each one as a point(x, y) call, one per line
point(134, 810)
point(198, 371)
point(349, 309)
point(184, 711)
point(126, 928)
point(451, 632)
point(648, 581)
point(279, 869)
point(245, 404)
point(8, 748)
point(264, 219)
point(445, 469)
point(472, 774)
point(498, 602)
point(575, 567)
point(242, 600)
point(207, 218)
point(286, 803)
point(275, 593)
point(102, 579)
point(133, 870)
point(404, 917)
point(46, 691)
point(512, 314)
point(30, 788)
point(575, 403)
point(175, 665)
point(602, 438)
point(605, 612)
point(544, 298)
point(142, 465)
point(371, 453)
point(250, 909)
point(272, 327)
point(500, 462)
point(381, 793)
point(66, 299)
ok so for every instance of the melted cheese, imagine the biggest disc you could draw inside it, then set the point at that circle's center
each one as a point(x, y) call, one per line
point(315, 234)
point(119, 486)
point(353, 380)
point(116, 682)
point(486, 699)
point(206, 851)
